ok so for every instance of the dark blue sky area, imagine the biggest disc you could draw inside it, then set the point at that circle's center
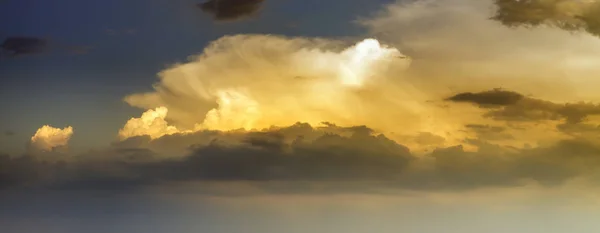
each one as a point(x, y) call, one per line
point(126, 43)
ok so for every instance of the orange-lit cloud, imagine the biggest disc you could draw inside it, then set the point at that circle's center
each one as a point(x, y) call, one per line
point(395, 84)
point(151, 123)
point(258, 81)
point(47, 137)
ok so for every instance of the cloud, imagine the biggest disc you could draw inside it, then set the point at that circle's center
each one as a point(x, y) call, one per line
point(224, 116)
point(299, 152)
point(304, 159)
point(48, 138)
point(21, 46)
point(571, 15)
point(513, 106)
point(227, 10)
point(543, 61)
point(258, 85)
point(491, 98)
point(16, 46)
point(151, 123)
point(550, 165)
point(394, 84)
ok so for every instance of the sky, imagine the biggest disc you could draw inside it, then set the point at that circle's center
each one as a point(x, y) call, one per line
point(295, 116)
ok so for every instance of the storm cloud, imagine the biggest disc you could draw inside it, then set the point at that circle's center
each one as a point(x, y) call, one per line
point(301, 158)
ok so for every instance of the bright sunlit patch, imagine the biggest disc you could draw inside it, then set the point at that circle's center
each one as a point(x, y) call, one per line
point(235, 110)
point(47, 137)
point(360, 60)
point(152, 123)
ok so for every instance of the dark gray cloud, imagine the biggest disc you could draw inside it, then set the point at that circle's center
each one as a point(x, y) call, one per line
point(492, 165)
point(16, 46)
point(493, 98)
point(302, 158)
point(22, 46)
point(227, 10)
point(571, 15)
point(512, 106)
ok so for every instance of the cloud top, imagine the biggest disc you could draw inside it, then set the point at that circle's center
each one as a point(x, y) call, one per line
point(256, 81)
point(151, 123)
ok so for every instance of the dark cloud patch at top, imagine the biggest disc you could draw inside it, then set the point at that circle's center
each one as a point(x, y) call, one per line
point(228, 10)
point(16, 46)
point(571, 15)
point(23, 46)
point(493, 98)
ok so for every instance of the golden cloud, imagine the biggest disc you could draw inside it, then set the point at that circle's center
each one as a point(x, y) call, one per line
point(47, 137)
point(257, 81)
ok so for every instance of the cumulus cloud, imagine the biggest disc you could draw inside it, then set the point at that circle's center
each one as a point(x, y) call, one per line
point(151, 123)
point(571, 15)
point(227, 10)
point(48, 138)
point(271, 80)
point(393, 84)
